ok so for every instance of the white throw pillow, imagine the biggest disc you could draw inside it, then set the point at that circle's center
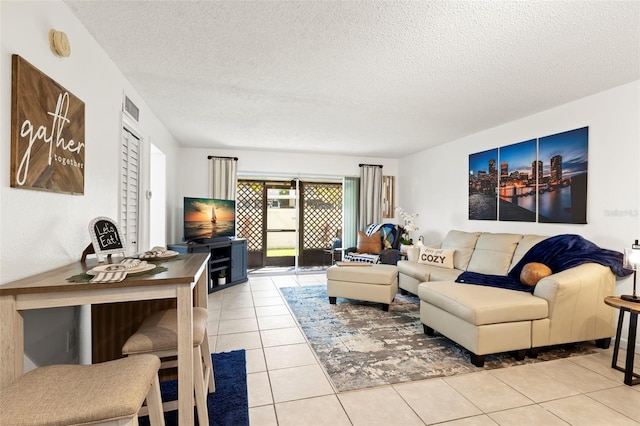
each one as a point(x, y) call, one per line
point(413, 253)
point(442, 258)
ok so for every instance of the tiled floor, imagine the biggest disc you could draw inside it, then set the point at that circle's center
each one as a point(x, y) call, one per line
point(287, 385)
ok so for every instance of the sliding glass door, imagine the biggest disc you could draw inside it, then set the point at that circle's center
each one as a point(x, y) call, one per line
point(289, 224)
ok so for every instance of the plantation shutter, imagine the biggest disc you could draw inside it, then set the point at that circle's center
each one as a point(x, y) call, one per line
point(130, 188)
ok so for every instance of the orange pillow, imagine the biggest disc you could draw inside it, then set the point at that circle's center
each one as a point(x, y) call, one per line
point(369, 245)
point(534, 272)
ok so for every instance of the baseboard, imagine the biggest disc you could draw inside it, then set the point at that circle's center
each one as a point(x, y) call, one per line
point(624, 345)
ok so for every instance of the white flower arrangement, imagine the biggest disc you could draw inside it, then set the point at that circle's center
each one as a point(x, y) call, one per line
point(409, 222)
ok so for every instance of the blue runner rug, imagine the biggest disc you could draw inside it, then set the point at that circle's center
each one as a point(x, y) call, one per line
point(228, 405)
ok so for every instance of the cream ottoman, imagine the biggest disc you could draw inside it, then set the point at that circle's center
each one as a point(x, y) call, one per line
point(371, 283)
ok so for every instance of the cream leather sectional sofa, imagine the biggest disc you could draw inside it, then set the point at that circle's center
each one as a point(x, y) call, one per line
point(564, 307)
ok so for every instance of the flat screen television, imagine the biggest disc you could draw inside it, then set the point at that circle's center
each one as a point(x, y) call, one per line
point(208, 220)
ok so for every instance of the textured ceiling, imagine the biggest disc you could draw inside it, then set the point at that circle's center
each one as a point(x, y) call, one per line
point(374, 78)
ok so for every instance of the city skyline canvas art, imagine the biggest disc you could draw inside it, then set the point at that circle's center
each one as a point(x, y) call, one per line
point(518, 194)
point(483, 181)
point(563, 197)
point(541, 180)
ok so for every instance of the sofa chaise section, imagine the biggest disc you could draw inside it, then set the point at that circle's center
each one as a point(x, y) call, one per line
point(485, 320)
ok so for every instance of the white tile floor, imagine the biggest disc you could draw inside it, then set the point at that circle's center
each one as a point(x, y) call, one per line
point(287, 385)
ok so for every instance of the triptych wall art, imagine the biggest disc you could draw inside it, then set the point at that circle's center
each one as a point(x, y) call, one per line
point(543, 180)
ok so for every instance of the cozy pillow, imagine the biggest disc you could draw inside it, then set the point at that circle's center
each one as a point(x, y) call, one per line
point(442, 258)
point(370, 245)
point(533, 272)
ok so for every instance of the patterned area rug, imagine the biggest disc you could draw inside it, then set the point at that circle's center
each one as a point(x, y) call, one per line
point(362, 346)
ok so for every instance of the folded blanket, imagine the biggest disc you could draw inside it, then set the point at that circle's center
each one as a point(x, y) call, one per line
point(558, 253)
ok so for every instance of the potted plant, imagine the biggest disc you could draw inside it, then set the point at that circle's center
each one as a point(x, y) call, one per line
point(405, 244)
point(222, 277)
point(406, 241)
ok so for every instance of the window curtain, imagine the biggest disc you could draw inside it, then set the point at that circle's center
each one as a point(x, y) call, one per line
point(350, 190)
point(224, 177)
point(370, 195)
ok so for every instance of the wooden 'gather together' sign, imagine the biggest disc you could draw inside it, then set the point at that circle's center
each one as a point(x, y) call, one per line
point(47, 132)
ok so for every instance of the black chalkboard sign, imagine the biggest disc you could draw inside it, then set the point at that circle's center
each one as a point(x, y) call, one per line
point(106, 236)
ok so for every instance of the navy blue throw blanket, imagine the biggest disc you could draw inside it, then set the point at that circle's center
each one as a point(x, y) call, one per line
point(500, 281)
point(558, 253)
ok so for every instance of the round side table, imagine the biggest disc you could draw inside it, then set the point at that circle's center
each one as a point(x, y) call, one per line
point(630, 378)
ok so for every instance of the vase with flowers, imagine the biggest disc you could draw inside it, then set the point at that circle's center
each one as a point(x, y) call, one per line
point(409, 225)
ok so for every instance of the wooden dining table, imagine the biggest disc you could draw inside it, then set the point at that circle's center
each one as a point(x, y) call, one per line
point(183, 279)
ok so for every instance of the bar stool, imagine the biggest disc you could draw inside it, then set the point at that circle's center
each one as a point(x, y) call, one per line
point(111, 393)
point(158, 335)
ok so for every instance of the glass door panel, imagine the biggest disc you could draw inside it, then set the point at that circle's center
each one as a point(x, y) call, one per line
point(281, 229)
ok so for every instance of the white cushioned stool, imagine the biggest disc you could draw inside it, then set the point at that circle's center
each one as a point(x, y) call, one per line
point(373, 283)
point(158, 335)
point(107, 393)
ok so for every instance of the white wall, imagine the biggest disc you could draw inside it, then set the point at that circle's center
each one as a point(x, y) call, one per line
point(41, 230)
point(435, 181)
point(194, 181)
point(158, 202)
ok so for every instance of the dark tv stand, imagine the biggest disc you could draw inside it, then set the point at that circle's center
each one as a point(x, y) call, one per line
point(228, 258)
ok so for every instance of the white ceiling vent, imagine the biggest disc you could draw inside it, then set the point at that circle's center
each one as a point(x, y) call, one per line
point(131, 109)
